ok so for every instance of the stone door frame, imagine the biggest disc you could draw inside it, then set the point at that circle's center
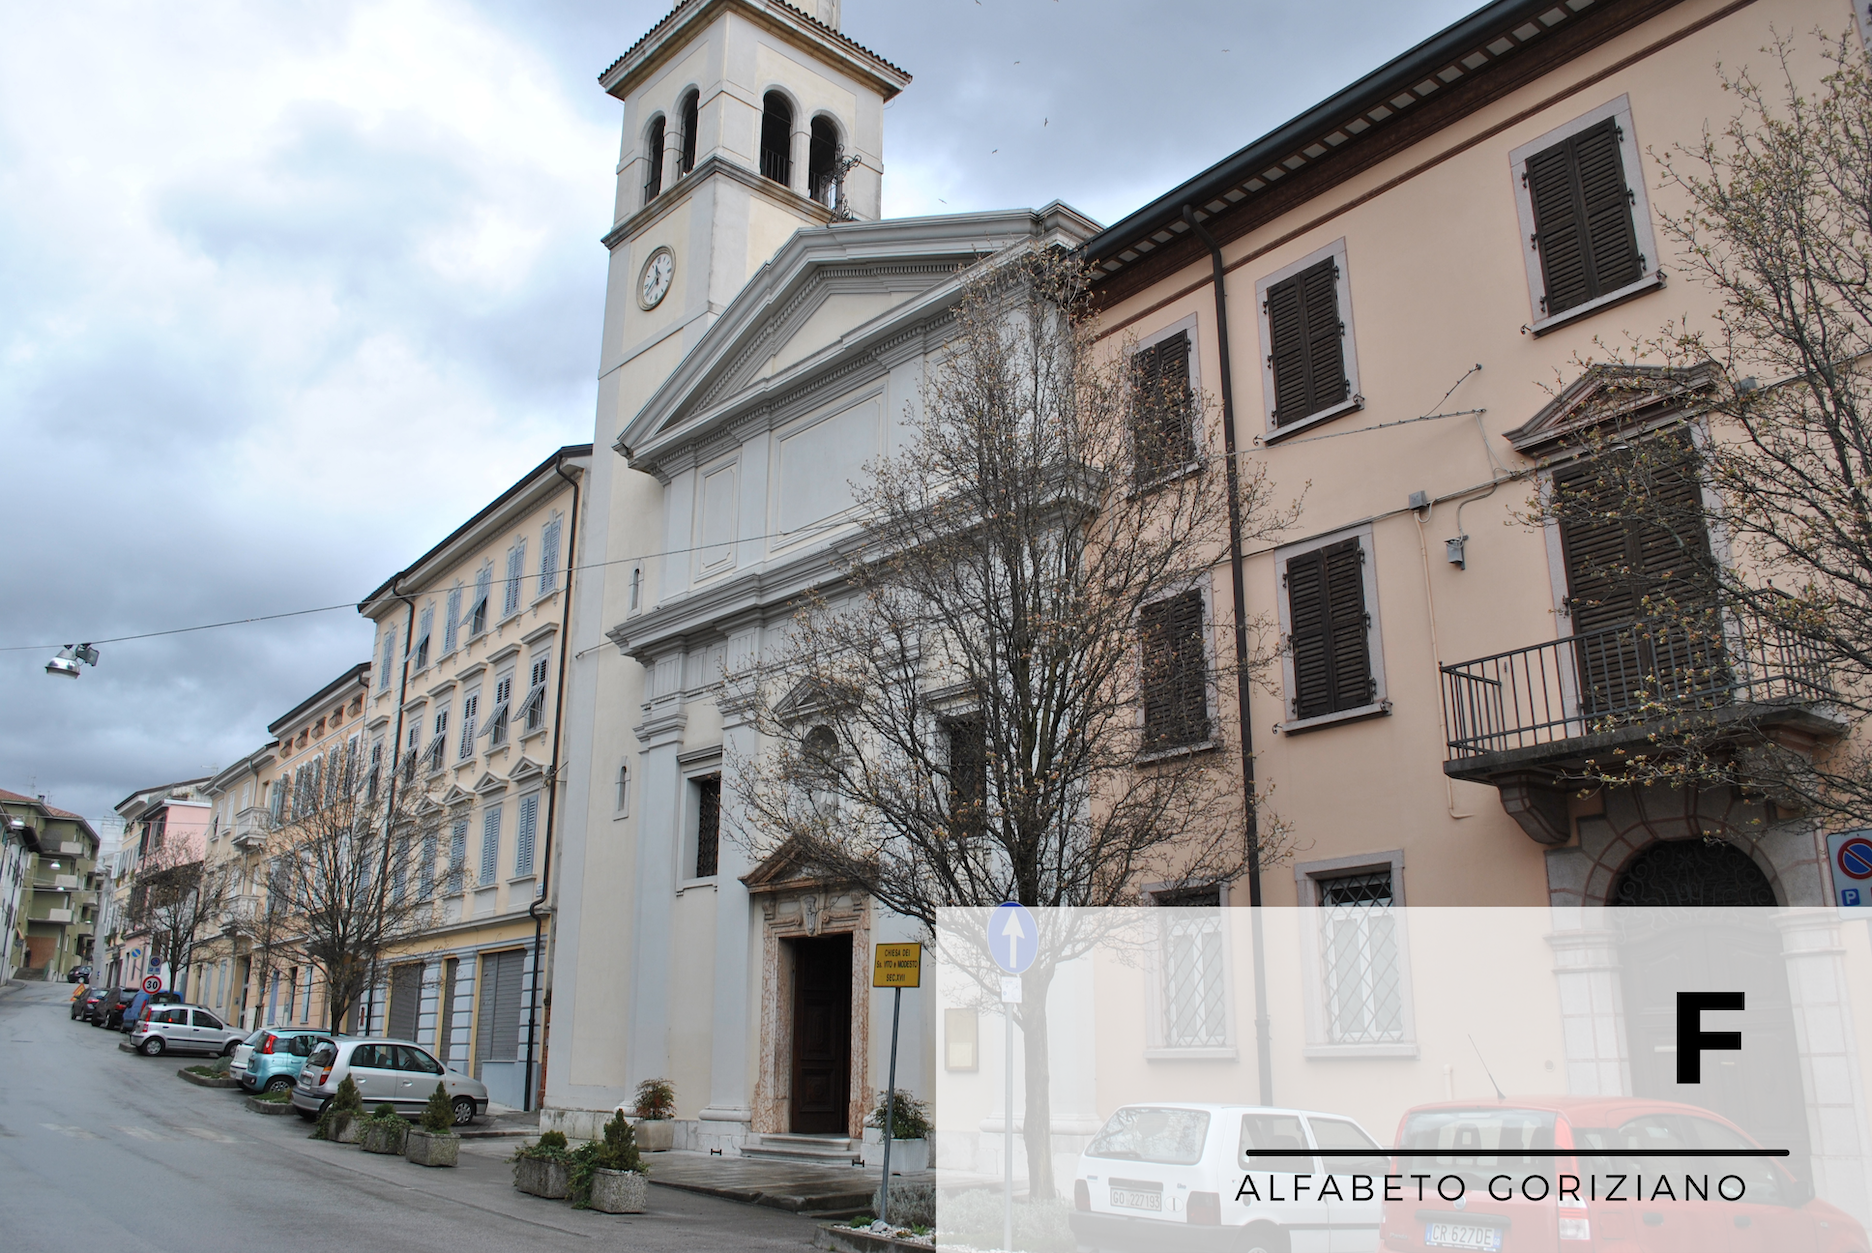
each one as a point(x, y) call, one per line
point(808, 910)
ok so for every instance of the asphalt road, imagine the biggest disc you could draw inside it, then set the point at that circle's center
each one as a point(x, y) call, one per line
point(101, 1149)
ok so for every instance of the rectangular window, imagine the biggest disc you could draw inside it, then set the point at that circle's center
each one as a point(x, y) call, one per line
point(708, 826)
point(373, 778)
point(471, 703)
point(961, 1039)
point(399, 870)
point(1175, 679)
point(549, 557)
point(1306, 348)
point(968, 775)
point(533, 708)
point(438, 741)
point(425, 624)
point(451, 622)
point(458, 854)
point(1195, 999)
point(490, 844)
point(412, 750)
point(525, 827)
point(389, 660)
point(1359, 948)
point(278, 799)
point(1583, 218)
point(1163, 434)
point(477, 618)
point(496, 726)
point(1330, 635)
point(516, 562)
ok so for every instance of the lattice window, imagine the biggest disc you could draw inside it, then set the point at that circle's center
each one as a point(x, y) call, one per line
point(1363, 965)
point(1195, 1003)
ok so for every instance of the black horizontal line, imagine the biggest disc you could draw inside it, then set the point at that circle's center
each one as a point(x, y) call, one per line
point(1462, 1155)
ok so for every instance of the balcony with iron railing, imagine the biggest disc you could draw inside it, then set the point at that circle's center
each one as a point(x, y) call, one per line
point(1529, 718)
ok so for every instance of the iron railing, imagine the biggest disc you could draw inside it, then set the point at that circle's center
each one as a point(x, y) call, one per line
point(1621, 676)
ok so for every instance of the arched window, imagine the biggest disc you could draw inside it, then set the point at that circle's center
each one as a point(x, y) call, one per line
point(690, 106)
point(1697, 873)
point(653, 155)
point(776, 138)
point(822, 161)
point(622, 808)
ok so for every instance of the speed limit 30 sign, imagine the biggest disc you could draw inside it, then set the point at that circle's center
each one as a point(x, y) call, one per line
point(152, 983)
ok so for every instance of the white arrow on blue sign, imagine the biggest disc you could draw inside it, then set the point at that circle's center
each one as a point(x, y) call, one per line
point(1013, 937)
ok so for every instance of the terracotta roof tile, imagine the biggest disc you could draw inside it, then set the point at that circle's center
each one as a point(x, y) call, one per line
point(669, 17)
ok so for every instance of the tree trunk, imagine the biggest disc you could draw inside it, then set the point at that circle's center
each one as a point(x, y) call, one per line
point(1037, 1124)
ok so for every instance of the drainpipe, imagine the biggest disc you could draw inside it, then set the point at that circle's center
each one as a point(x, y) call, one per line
point(396, 747)
point(1242, 680)
point(552, 781)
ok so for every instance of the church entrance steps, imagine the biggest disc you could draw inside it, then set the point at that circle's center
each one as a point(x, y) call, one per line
point(824, 1150)
point(801, 1187)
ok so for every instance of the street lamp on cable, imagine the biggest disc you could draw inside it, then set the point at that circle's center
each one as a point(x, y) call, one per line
point(66, 663)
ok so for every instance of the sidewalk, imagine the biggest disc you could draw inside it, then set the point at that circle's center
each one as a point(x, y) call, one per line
point(501, 1121)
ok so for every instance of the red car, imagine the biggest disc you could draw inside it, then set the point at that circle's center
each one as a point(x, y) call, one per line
point(1559, 1175)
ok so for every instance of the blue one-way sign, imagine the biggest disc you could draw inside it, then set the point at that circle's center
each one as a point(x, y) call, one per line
point(1013, 937)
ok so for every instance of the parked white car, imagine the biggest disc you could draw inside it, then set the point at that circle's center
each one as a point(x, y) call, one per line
point(1243, 1178)
point(400, 1073)
point(184, 1029)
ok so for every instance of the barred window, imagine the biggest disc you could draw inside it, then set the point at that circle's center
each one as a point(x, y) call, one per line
point(1195, 1004)
point(1363, 967)
point(708, 826)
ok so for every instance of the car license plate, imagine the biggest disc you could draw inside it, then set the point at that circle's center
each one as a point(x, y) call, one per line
point(1130, 1198)
point(1461, 1236)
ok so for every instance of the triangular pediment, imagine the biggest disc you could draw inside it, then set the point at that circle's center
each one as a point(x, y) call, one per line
point(525, 771)
point(784, 869)
point(489, 784)
point(1611, 396)
point(456, 796)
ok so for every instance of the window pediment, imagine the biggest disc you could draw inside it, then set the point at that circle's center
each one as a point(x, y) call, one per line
point(1622, 396)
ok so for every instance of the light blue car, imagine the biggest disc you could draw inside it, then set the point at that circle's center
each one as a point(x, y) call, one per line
point(271, 1058)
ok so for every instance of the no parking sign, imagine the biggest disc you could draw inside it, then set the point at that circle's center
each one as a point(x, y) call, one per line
point(1849, 857)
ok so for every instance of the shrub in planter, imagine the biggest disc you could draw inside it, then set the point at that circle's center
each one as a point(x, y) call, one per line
point(609, 1174)
point(339, 1120)
point(909, 1117)
point(655, 1104)
point(544, 1167)
point(384, 1130)
point(433, 1142)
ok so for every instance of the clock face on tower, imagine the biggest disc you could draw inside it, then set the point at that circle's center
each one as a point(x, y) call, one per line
point(657, 272)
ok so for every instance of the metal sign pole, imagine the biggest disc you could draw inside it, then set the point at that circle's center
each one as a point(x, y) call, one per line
point(890, 1103)
point(1007, 1128)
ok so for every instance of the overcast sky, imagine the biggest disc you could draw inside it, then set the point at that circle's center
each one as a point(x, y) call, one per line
point(288, 290)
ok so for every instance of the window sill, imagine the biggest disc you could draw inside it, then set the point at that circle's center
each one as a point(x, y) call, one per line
point(1167, 1054)
point(1275, 434)
point(697, 885)
point(1403, 1050)
point(1181, 750)
point(1649, 282)
point(1302, 725)
point(1165, 479)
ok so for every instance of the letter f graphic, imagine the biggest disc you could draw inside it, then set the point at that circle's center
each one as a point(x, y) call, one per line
point(1692, 1039)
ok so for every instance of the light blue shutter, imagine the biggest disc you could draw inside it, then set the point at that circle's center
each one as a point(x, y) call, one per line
point(389, 660)
point(549, 557)
point(453, 623)
point(476, 618)
point(490, 843)
point(516, 562)
point(523, 834)
point(458, 853)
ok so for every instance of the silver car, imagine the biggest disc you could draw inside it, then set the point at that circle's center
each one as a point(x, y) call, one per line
point(400, 1073)
point(184, 1029)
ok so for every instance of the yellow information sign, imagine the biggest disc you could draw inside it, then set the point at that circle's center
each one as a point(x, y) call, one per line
point(897, 966)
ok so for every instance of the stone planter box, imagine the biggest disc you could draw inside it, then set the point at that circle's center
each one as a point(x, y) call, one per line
point(538, 1177)
point(346, 1130)
point(906, 1155)
point(383, 1137)
point(259, 1106)
point(620, 1191)
point(428, 1149)
point(843, 1239)
point(654, 1136)
point(201, 1081)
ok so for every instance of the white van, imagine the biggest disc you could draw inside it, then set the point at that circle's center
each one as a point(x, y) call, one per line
point(1244, 1178)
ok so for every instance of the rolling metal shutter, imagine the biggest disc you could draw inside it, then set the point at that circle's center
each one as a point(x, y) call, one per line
point(405, 1000)
point(497, 1027)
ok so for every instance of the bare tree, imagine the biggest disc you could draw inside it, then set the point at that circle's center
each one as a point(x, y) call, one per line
point(1010, 694)
point(356, 862)
point(179, 899)
point(1762, 602)
point(270, 927)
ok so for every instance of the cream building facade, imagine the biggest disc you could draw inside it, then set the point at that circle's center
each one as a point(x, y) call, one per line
point(1403, 353)
point(465, 708)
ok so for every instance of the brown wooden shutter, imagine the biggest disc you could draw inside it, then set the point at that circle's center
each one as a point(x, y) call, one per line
point(1176, 673)
point(1329, 630)
point(1307, 340)
point(1583, 218)
point(1163, 436)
